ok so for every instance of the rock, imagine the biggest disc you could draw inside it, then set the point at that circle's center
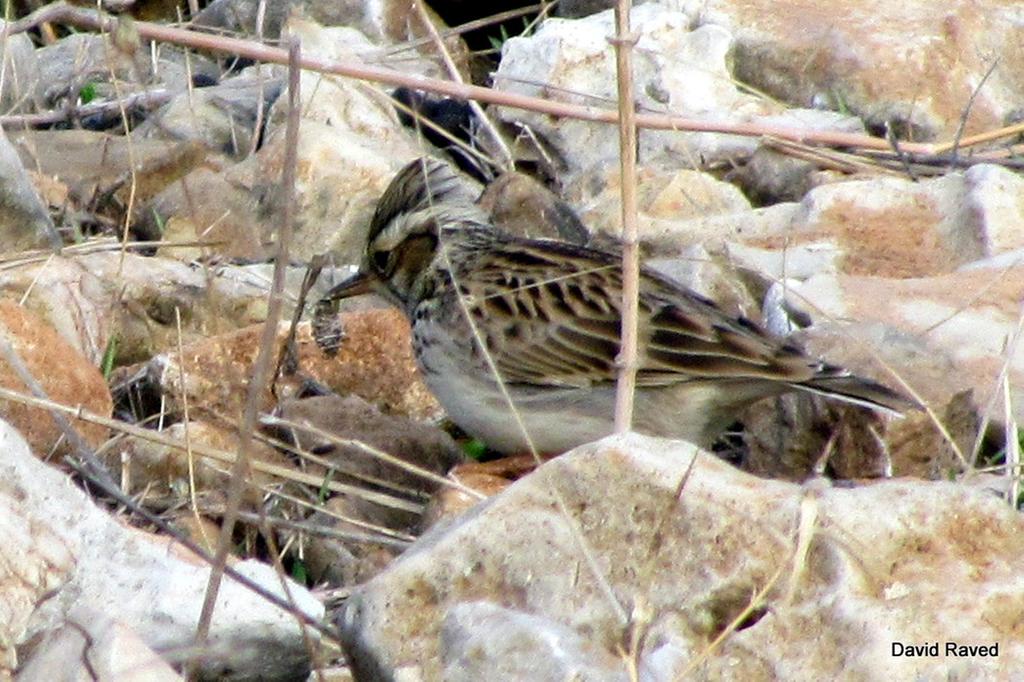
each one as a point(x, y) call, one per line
point(941, 334)
point(995, 208)
point(520, 205)
point(67, 559)
point(65, 376)
point(898, 228)
point(241, 16)
point(94, 179)
point(348, 562)
point(882, 227)
point(843, 57)
point(675, 69)
point(223, 212)
point(350, 146)
point(115, 652)
point(353, 419)
point(80, 306)
point(390, 21)
point(484, 641)
point(95, 297)
point(341, 176)
point(799, 436)
point(667, 200)
point(80, 59)
point(24, 222)
point(709, 276)
point(794, 261)
point(678, 566)
point(486, 478)
point(374, 362)
point(576, 9)
point(37, 563)
point(222, 117)
point(770, 176)
point(22, 73)
point(919, 449)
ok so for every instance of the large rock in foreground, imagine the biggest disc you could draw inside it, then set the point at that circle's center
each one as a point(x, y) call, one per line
point(800, 582)
point(78, 588)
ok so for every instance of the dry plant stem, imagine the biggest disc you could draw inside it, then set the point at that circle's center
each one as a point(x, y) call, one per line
point(990, 405)
point(805, 534)
point(980, 138)
point(325, 531)
point(453, 72)
point(1012, 446)
point(149, 99)
point(261, 368)
point(89, 19)
point(186, 422)
point(109, 44)
point(275, 555)
point(20, 258)
point(626, 385)
point(464, 28)
point(967, 109)
point(212, 453)
point(380, 531)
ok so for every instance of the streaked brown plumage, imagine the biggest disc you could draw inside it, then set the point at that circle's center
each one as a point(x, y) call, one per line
point(548, 314)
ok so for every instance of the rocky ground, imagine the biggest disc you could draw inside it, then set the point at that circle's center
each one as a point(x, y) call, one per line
point(848, 175)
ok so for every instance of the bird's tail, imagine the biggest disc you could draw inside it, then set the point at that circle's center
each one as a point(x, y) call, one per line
point(846, 387)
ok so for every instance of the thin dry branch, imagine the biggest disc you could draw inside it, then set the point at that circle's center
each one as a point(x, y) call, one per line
point(323, 531)
point(265, 356)
point(507, 161)
point(625, 387)
point(150, 99)
point(467, 27)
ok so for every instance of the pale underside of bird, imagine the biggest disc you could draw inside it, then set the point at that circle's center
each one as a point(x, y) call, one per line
point(504, 326)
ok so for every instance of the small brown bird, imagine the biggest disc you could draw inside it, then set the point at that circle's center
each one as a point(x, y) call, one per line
point(499, 319)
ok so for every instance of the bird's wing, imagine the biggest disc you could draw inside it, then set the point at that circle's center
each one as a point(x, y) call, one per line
point(553, 319)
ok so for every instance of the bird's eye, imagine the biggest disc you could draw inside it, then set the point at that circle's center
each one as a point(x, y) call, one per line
point(380, 259)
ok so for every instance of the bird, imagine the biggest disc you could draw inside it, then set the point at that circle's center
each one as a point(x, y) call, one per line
point(519, 338)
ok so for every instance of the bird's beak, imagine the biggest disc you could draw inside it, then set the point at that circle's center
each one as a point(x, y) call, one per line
point(359, 283)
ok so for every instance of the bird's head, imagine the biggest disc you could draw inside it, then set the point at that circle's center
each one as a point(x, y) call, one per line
point(424, 201)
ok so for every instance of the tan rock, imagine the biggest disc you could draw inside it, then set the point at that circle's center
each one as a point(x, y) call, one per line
point(861, 56)
point(65, 376)
point(79, 305)
point(676, 68)
point(941, 334)
point(89, 175)
point(66, 560)
point(822, 581)
point(520, 205)
point(24, 220)
point(374, 362)
point(115, 652)
point(667, 200)
point(216, 212)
